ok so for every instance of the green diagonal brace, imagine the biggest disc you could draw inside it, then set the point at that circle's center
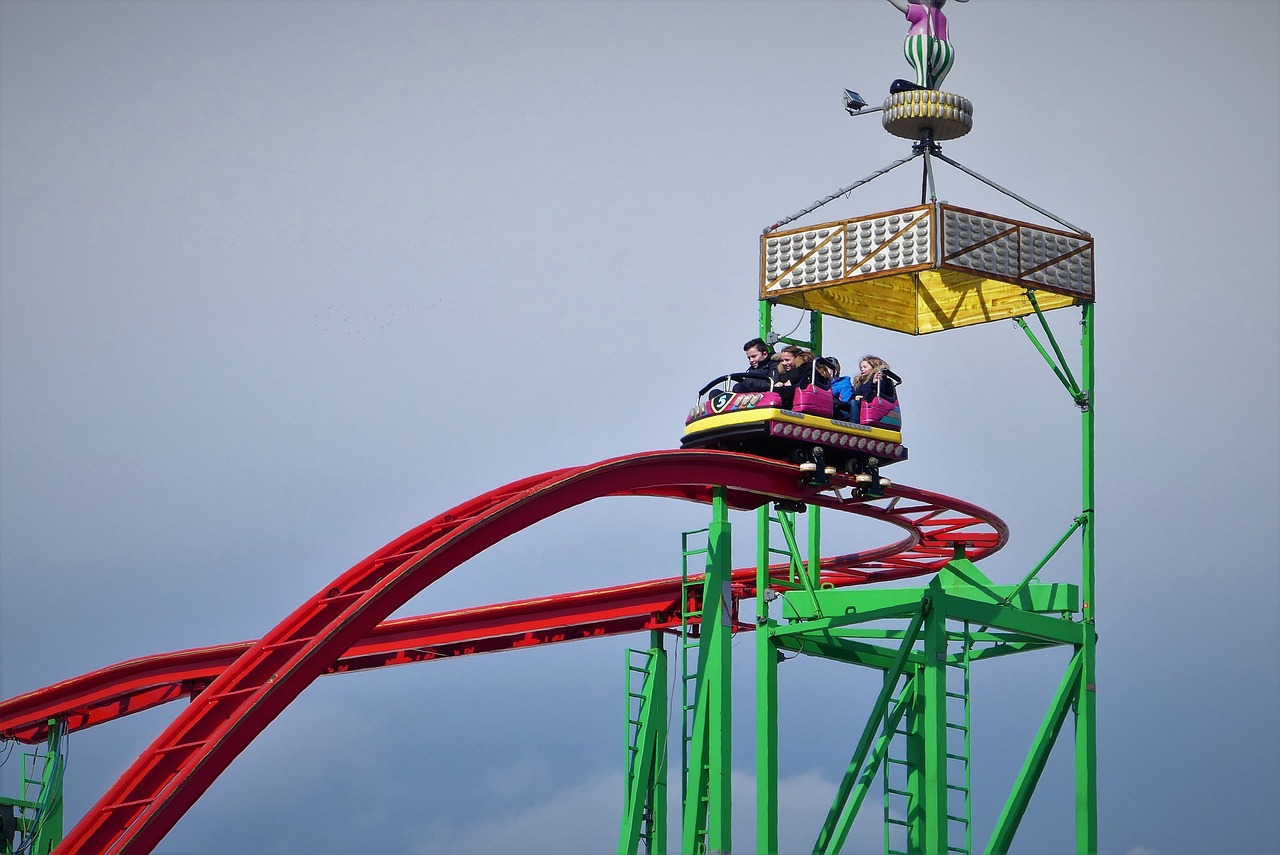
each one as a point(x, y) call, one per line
point(646, 796)
point(830, 839)
point(1037, 757)
point(1035, 571)
point(797, 566)
point(868, 777)
point(1059, 367)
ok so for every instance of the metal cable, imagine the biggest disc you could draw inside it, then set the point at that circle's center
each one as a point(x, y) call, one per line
point(1010, 193)
point(843, 191)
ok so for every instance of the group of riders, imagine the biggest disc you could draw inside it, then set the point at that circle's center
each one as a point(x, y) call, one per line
point(794, 368)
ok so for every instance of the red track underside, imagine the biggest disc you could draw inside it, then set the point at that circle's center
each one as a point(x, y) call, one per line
point(238, 689)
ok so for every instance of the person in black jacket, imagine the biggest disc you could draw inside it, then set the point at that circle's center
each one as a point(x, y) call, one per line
point(795, 371)
point(760, 365)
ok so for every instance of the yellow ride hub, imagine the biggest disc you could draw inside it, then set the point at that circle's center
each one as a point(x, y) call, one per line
point(909, 114)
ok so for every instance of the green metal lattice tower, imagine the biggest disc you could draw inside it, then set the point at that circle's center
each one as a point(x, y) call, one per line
point(973, 268)
point(923, 268)
point(924, 641)
point(32, 824)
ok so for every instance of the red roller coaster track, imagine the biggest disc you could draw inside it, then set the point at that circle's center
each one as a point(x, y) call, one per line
point(237, 689)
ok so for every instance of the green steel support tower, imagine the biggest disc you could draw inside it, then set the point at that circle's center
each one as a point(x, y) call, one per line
point(959, 618)
point(943, 268)
point(32, 824)
point(705, 709)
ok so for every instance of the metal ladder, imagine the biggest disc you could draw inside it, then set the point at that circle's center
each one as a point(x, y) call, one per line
point(785, 522)
point(958, 748)
point(900, 799)
point(896, 772)
point(690, 653)
point(646, 752)
point(799, 577)
point(37, 816)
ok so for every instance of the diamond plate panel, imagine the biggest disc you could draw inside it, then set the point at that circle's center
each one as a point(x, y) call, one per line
point(848, 250)
point(1017, 252)
point(926, 269)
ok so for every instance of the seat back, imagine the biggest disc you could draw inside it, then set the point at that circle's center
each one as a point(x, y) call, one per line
point(881, 412)
point(815, 401)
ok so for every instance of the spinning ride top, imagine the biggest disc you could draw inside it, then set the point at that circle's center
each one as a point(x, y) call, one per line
point(926, 267)
point(931, 266)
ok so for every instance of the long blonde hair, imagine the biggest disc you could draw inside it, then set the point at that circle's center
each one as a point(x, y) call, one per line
point(876, 363)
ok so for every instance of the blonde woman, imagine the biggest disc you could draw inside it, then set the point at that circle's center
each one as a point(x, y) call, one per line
point(874, 380)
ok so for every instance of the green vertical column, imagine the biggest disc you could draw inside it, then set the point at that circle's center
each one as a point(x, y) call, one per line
point(932, 726)
point(720, 679)
point(1086, 693)
point(708, 791)
point(915, 769)
point(49, 834)
point(815, 513)
point(766, 699)
point(766, 673)
point(660, 704)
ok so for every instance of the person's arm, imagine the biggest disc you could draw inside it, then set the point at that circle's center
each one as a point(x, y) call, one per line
point(900, 5)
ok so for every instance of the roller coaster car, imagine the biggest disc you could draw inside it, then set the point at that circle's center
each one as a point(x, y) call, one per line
point(807, 434)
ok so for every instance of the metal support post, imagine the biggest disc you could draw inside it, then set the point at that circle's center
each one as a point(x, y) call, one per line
point(708, 794)
point(766, 698)
point(1086, 699)
point(815, 512)
point(931, 720)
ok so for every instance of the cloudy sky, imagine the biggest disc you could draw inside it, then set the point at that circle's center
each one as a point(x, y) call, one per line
point(281, 280)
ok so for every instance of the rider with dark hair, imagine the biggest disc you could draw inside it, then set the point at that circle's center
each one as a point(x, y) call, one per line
point(761, 367)
point(841, 391)
point(795, 371)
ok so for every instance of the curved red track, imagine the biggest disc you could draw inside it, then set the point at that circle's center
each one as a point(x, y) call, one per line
point(239, 688)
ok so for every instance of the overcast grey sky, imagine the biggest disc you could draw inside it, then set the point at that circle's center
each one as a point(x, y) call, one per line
point(281, 280)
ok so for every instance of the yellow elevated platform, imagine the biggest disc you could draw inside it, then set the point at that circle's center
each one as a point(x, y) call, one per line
point(924, 269)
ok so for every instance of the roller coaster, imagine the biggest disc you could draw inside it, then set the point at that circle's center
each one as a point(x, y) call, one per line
point(236, 690)
point(935, 267)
